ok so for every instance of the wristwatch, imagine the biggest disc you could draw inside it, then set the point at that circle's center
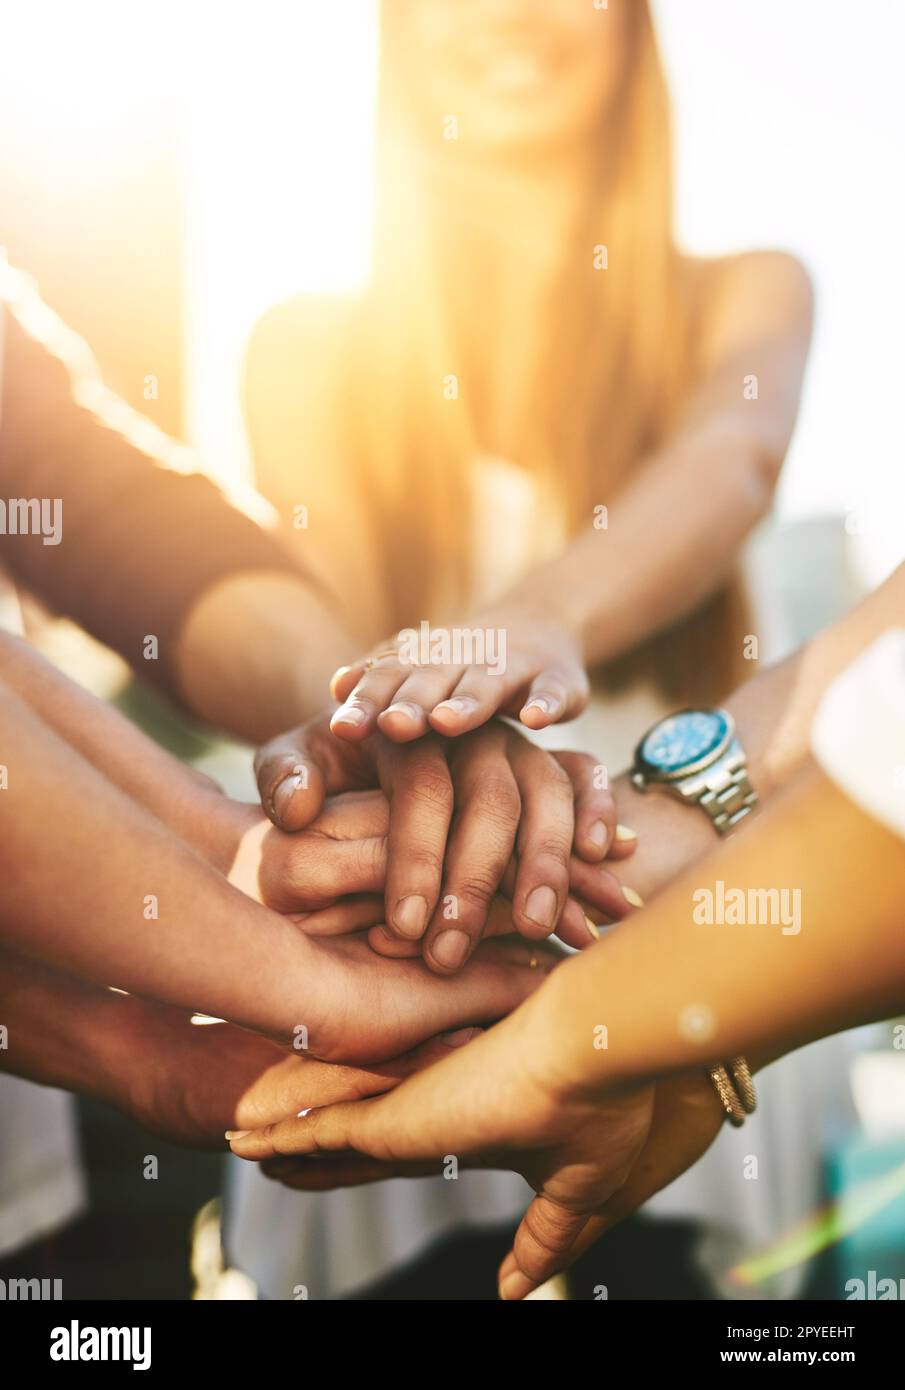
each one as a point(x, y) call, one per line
point(695, 756)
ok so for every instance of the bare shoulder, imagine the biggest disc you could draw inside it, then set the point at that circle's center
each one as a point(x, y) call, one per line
point(754, 295)
point(749, 277)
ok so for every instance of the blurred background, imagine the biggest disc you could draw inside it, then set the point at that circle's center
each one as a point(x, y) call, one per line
point(167, 174)
point(168, 177)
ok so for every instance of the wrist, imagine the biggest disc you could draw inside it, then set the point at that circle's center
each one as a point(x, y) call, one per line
point(111, 1054)
point(534, 605)
point(670, 834)
point(215, 825)
point(572, 1036)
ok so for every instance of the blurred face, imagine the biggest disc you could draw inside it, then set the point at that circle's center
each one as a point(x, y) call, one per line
point(516, 74)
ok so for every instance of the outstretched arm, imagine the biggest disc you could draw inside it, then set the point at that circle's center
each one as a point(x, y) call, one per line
point(673, 533)
point(113, 896)
point(134, 544)
point(773, 714)
point(188, 1083)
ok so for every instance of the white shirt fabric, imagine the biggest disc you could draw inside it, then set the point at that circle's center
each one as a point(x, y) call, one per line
point(858, 733)
point(41, 1186)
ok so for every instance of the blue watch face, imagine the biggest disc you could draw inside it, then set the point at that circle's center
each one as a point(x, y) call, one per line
point(684, 738)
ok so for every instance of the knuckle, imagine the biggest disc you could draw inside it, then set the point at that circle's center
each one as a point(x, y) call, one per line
point(478, 888)
point(371, 858)
point(316, 1132)
point(423, 860)
point(604, 801)
point(557, 779)
point(539, 1246)
point(479, 685)
point(547, 845)
point(432, 787)
point(496, 797)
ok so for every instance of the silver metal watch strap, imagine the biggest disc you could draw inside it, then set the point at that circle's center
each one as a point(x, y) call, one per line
point(724, 791)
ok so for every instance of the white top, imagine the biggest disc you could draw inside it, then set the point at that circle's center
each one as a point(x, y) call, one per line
point(858, 733)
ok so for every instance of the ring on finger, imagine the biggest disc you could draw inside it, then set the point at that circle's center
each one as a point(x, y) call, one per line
point(375, 660)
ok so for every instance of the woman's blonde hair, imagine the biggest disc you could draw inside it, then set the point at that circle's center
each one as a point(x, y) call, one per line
point(615, 356)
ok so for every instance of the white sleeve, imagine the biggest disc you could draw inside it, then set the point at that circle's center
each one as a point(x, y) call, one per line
point(858, 733)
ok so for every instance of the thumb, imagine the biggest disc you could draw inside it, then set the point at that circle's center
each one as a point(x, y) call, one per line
point(291, 782)
point(543, 1247)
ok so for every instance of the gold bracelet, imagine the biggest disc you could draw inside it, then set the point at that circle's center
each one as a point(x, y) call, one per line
point(744, 1084)
point(735, 1087)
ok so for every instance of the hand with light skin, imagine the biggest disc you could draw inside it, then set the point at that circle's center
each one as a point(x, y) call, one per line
point(610, 588)
point(544, 682)
point(643, 980)
point(675, 996)
point(575, 1150)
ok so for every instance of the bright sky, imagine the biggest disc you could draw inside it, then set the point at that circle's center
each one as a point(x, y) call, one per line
point(790, 122)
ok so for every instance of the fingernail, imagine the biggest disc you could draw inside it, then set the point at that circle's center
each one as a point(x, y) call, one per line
point(539, 702)
point(460, 1036)
point(592, 927)
point(450, 949)
point(514, 1286)
point(625, 832)
point(284, 793)
point(631, 896)
point(541, 907)
point(405, 709)
point(459, 704)
point(237, 1133)
point(349, 714)
point(410, 916)
point(597, 834)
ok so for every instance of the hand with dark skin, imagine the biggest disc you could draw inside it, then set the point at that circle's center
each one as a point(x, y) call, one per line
point(184, 1081)
point(459, 811)
point(345, 848)
point(156, 918)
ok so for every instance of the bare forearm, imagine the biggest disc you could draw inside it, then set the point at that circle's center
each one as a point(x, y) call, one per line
point(773, 714)
point(672, 536)
point(79, 1057)
point(256, 654)
point(104, 890)
point(184, 800)
point(674, 529)
point(674, 992)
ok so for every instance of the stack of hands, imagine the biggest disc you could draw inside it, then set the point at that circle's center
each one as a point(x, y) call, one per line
point(487, 848)
point(402, 891)
point(383, 936)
